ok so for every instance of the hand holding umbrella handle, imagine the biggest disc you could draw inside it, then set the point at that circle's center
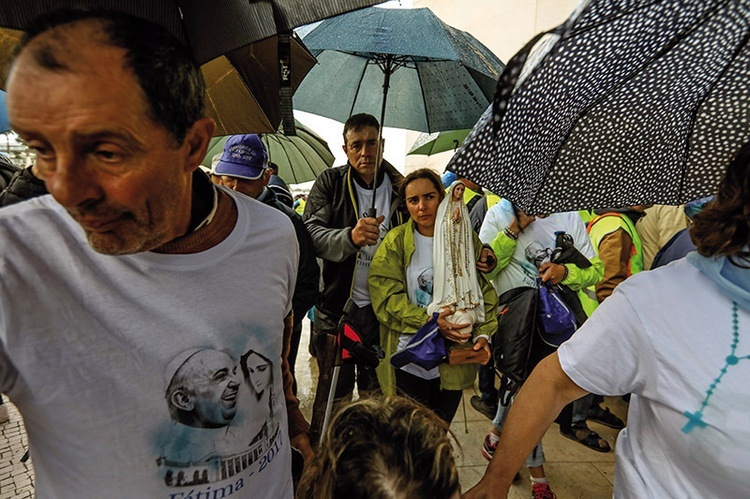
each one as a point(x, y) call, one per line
point(367, 231)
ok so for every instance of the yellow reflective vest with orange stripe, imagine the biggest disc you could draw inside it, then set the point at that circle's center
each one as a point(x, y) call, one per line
point(598, 228)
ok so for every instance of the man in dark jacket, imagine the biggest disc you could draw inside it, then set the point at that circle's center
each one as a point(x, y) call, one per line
point(346, 236)
point(243, 167)
point(278, 186)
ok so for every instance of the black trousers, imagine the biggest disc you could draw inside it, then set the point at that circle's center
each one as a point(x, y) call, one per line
point(427, 392)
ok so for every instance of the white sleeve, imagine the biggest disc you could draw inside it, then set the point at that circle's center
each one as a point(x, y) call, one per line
point(497, 219)
point(611, 353)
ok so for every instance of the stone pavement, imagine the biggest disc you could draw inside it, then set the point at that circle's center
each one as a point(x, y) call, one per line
point(573, 471)
point(16, 478)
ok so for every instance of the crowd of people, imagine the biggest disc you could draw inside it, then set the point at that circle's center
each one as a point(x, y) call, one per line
point(151, 313)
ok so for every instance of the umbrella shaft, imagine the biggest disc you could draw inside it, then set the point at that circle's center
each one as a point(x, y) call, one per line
point(372, 212)
point(387, 70)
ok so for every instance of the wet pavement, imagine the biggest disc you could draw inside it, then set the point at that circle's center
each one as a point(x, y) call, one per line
point(574, 471)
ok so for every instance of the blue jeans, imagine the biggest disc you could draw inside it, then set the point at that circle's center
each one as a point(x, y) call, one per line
point(536, 458)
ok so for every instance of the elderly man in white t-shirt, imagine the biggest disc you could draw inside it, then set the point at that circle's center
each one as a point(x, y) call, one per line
point(134, 259)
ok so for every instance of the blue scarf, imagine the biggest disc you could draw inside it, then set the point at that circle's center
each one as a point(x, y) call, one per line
point(733, 281)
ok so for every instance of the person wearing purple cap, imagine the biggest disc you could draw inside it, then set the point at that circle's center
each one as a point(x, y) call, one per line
point(244, 167)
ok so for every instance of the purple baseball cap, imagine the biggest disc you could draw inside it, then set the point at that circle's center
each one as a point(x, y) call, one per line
point(244, 156)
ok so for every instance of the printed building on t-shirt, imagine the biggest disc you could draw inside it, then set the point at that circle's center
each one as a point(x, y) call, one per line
point(215, 468)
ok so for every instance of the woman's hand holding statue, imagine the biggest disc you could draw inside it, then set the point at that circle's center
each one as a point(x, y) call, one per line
point(450, 330)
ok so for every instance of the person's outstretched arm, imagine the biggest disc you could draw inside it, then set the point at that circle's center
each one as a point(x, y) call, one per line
point(538, 403)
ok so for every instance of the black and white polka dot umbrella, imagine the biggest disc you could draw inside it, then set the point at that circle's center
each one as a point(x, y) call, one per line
point(628, 102)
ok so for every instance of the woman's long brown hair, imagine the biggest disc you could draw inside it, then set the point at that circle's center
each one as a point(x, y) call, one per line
point(722, 228)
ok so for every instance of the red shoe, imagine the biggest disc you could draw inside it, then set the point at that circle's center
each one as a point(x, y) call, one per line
point(488, 448)
point(542, 491)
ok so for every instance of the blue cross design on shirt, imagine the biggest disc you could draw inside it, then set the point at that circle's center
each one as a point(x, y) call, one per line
point(694, 419)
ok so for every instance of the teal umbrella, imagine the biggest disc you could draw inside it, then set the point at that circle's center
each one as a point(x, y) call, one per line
point(300, 157)
point(420, 73)
point(433, 143)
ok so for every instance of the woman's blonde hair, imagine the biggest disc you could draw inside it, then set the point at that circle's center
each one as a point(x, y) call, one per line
point(383, 448)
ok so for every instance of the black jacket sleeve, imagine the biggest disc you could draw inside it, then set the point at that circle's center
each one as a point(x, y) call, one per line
point(308, 275)
point(22, 185)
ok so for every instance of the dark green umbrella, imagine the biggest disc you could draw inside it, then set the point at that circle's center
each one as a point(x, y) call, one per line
point(433, 143)
point(300, 157)
point(250, 63)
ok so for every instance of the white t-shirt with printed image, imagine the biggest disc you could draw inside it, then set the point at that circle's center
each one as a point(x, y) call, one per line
point(419, 285)
point(533, 242)
point(91, 344)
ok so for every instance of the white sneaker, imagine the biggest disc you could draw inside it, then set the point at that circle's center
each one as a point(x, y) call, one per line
point(4, 418)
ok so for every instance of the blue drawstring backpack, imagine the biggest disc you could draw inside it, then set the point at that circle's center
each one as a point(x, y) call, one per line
point(557, 322)
point(425, 349)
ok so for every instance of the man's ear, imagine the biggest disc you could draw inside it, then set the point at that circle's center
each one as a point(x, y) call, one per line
point(197, 139)
point(182, 400)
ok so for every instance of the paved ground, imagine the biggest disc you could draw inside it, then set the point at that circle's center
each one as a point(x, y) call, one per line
point(574, 471)
point(16, 478)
